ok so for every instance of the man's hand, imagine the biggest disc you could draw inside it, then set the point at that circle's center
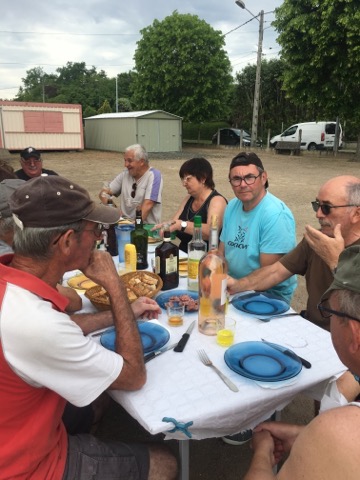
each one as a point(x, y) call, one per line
point(283, 434)
point(232, 285)
point(101, 269)
point(328, 248)
point(146, 308)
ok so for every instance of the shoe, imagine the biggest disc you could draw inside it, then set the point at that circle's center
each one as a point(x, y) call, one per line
point(238, 438)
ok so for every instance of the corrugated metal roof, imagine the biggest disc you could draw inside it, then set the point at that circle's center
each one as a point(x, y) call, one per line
point(142, 113)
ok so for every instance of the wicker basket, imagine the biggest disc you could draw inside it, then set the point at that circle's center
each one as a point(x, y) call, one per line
point(102, 302)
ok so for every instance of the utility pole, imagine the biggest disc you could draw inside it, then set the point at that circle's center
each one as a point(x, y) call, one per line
point(255, 118)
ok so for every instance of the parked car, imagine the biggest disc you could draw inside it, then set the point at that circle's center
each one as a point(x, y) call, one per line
point(314, 135)
point(231, 136)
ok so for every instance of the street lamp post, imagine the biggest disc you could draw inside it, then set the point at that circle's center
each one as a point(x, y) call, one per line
point(254, 126)
point(116, 95)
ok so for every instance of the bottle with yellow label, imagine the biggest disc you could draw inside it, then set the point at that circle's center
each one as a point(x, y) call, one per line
point(196, 250)
point(130, 257)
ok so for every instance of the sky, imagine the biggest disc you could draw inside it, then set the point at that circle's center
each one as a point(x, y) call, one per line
point(103, 33)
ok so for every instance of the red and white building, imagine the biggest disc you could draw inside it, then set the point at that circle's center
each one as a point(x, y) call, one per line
point(46, 126)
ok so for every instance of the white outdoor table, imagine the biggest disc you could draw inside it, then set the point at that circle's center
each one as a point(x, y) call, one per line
point(181, 388)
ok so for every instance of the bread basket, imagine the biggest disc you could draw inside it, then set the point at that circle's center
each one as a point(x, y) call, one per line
point(137, 285)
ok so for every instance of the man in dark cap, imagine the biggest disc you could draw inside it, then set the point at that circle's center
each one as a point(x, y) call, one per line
point(46, 357)
point(258, 228)
point(32, 165)
point(329, 446)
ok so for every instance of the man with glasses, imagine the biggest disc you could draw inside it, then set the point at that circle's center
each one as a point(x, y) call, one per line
point(47, 357)
point(139, 185)
point(329, 446)
point(31, 165)
point(337, 208)
point(258, 228)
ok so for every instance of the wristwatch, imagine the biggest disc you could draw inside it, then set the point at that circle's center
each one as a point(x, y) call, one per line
point(183, 225)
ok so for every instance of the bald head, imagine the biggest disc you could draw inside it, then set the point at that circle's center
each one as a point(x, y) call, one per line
point(342, 194)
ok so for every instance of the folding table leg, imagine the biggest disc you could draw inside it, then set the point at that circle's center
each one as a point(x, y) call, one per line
point(184, 459)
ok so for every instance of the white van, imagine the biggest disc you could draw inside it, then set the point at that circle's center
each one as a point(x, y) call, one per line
point(314, 135)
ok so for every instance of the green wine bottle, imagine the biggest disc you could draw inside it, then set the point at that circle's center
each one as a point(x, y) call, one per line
point(139, 238)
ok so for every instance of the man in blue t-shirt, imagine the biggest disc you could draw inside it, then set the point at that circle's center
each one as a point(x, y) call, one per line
point(258, 228)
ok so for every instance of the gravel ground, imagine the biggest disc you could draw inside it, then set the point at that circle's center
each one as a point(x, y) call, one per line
point(294, 179)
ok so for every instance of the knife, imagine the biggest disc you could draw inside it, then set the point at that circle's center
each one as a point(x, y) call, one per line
point(152, 355)
point(289, 353)
point(183, 340)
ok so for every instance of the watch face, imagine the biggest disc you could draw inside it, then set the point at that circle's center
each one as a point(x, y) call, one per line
point(183, 224)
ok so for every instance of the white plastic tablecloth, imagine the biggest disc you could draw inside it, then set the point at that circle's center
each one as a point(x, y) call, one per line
point(180, 387)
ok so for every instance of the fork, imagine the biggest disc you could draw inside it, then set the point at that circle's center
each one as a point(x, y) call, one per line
point(206, 361)
point(268, 318)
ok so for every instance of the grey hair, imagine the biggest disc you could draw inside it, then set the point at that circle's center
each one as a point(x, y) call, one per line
point(139, 152)
point(6, 226)
point(349, 302)
point(36, 242)
point(353, 191)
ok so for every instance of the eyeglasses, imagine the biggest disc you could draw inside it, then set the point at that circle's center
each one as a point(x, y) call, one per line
point(248, 179)
point(97, 231)
point(133, 191)
point(326, 208)
point(186, 179)
point(30, 160)
point(328, 312)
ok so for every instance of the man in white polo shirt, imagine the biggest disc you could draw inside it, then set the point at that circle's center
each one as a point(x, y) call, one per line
point(46, 357)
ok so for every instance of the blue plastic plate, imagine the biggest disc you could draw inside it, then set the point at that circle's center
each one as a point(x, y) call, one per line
point(164, 298)
point(153, 337)
point(258, 361)
point(260, 304)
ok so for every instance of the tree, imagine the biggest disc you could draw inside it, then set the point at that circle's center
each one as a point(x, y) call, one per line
point(182, 68)
point(321, 47)
point(105, 108)
point(275, 110)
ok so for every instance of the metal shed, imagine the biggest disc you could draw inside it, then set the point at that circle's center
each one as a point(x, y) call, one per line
point(156, 130)
point(46, 126)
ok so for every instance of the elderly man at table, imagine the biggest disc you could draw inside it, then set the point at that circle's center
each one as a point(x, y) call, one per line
point(46, 358)
point(258, 228)
point(329, 446)
point(139, 185)
point(7, 187)
point(32, 165)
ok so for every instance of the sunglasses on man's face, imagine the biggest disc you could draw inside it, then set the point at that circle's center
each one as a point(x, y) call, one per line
point(133, 191)
point(326, 208)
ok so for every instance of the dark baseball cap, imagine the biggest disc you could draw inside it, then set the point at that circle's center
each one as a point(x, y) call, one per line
point(30, 152)
point(347, 275)
point(52, 201)
point(247, 158)
point(7, 188)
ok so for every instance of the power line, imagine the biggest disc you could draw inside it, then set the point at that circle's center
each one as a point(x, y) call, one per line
point(71, 33)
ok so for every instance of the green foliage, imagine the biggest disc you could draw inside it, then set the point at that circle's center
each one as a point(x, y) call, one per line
point(105, 108)
point(275, 110)
point(182, 68)
point(124, 105)
point(75, 83)
point(321, 47)
point(89, 112)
